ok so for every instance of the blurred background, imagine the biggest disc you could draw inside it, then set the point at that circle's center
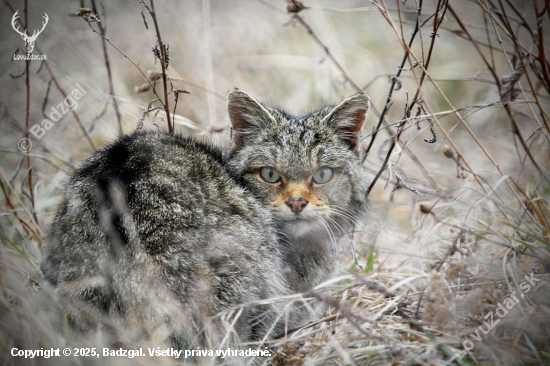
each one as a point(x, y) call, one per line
point(475, 196)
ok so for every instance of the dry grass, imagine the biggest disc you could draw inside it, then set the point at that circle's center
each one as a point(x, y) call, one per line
point(469, 213)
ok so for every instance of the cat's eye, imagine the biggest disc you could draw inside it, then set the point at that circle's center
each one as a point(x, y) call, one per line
point(270, 175)
point(322, 176)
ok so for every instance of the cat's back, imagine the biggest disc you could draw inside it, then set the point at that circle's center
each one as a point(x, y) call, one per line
point(170, 184)
point(156, 165)
point(173, 182)
point(196, 190)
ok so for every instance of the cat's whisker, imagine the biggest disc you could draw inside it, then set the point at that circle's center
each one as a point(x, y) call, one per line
point(341, 229)
point(331, 237)
point(286, 243)
point(282, 234)
point(338, 227)
point(350, 241)
point(348, 217)
point(343, 216)
point(340, 208)
point(341, 235)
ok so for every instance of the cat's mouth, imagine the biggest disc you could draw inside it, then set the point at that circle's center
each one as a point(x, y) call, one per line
point(300, 218)
point(299, 226)
point(305, 216)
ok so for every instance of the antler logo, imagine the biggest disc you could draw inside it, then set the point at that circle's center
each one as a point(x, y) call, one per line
point(29, 40)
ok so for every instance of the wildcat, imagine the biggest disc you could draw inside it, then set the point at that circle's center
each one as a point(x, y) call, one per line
point(161, 234)
point(307, 170)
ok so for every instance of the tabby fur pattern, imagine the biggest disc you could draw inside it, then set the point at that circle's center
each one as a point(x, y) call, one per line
point(161, 234)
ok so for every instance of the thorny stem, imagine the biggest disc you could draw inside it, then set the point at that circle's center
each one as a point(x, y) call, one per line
point(520, 56)
point(413, 157)
point(447, 137)
point(394, 82)
point(415, 99)
point(163, 66)
point(129, 59)
point(437, 23)
point(506, 107)
point(465, 125)
point(385, 12)
point(502, 49)
point(442, 94)
point(387, 106)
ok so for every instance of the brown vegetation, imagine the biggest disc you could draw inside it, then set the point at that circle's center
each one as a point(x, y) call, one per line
point(460, 94)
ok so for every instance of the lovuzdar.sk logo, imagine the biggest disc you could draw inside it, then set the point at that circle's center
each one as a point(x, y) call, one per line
point(29, 40)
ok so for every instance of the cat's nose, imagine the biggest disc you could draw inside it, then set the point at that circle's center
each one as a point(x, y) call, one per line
point(296, 204)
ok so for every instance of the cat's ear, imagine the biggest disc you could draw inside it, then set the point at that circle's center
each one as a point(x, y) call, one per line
point(348, 118)
point(247, 115)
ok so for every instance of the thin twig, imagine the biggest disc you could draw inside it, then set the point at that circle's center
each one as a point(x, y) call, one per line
point(415, 99)
point(27, 113)
point(394, 81)
point(400, 129)
point(103, 31)
point(176, 97)
point(64, 95)
point(36, 156)
point(327, 52)
point(197, 86)
point(506, 106)
point(52, 76)
point(544, 118)
point(152, 86)
point(434, 35)
point(542, 54)
point(163, 64)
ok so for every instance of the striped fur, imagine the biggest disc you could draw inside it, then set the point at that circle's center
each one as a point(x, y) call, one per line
point(158, 234)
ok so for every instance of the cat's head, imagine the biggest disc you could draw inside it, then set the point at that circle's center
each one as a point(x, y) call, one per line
point(306, 168)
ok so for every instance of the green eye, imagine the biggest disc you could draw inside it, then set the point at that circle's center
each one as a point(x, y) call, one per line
point(322, 176)
point(270, 175)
